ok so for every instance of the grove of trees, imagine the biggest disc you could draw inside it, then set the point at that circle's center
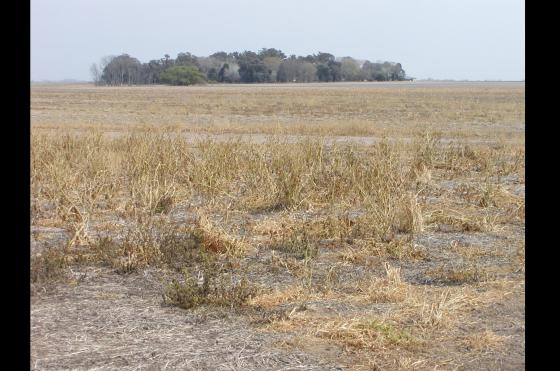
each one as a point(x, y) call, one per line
point(268, 65)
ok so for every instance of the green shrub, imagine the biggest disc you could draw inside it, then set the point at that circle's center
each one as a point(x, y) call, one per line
point(182, 75)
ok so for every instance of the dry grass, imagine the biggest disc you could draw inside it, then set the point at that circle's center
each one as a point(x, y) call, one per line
point(365, 111)
point(461, 274)
point(485, 341)
point(277, 297)
point(390, 289)
point(466, 220)
point(377, 246)
point(217, 240)
point(367, 334)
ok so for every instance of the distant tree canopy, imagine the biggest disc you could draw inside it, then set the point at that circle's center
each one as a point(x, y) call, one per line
point(122, 70)
point(268, 65)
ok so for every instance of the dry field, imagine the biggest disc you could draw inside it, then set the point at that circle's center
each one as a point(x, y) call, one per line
point(323, 226)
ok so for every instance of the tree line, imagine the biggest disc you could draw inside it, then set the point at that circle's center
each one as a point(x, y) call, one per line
point(268, 65)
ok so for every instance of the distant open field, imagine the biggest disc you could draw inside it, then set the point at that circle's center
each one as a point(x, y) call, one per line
point(482, 110)
point(352, 226)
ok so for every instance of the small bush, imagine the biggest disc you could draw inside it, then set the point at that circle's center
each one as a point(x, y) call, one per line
point(209, 288)
point(182, 75)
point(48, 267)
point(297, 242)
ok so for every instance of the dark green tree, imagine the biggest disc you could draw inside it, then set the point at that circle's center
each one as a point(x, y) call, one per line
point(221, 56)
point(324, 58)
point(271, 53)
point(323, 73)
point(335, 69)
point(212, 74)
point(252, 68)
point(186, 59)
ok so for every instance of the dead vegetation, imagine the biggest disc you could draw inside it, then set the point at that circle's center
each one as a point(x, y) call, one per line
point(378, 249)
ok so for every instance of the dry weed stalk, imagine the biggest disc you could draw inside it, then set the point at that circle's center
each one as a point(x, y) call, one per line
point(390, 289)
point(438, 313)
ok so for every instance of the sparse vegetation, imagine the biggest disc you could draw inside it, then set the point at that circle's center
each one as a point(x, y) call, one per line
point(210, 288)
point(376, 246)
point(47, 266)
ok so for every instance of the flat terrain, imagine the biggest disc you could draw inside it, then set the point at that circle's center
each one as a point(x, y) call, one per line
point(316, 226)
point(472, 110)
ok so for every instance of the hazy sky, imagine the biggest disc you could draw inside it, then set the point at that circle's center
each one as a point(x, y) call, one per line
point(441, 39)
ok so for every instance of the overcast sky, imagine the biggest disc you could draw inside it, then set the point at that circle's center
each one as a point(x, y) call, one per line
point(440, 39)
